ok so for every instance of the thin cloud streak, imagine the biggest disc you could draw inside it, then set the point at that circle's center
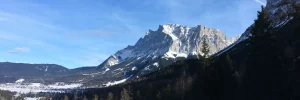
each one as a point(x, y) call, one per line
point(19, 50)
point(260, 2)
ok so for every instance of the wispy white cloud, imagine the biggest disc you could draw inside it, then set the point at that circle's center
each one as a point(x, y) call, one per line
point(19, 50)
point(260, 2)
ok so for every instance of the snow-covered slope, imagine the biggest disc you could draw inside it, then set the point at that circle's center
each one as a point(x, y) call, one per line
point(279, 11)
point(24, 88)
point(172, 41)
point(169, 42)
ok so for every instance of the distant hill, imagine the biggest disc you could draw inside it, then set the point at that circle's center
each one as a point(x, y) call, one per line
point(12, 71)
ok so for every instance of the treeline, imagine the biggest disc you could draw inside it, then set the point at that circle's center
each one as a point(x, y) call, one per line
point(7, 95)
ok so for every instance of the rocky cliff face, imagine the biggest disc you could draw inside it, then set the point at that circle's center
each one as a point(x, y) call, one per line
point(172, 41)
point(281, 10)
point(162, 47)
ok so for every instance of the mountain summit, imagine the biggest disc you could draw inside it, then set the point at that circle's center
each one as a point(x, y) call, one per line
point(169, 42)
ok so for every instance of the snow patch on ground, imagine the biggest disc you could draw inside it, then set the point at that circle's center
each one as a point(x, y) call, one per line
point(107, 69)
point(111, 63)
point(194, 53)
point(283, 22)
point(169, 30)
point(119, 69)
point(125, 54)
point(138, 58)
point(46, 69)
point(129, 64)
point(154, 57)
point(182, 55)
point(156, 64)
point(20, 81)
point(116, 82)
point(65, 86)
point(25, 88)
point(134, 68)
point(173, 37)
point(35, 85)
point(29, 98)
point(172, 54)
point(93, 74)
point(147, 67)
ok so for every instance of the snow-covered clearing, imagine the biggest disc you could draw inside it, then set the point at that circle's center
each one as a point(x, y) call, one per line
point(24, 88)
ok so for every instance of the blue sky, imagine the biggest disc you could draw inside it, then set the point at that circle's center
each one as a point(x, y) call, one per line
point(76, 33)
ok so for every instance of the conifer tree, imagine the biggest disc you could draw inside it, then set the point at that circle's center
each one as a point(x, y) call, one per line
point(84, 98)
point(125, 95)
point(262, 35)
point(205, 48)
point(158, 96)
point(261, 24)
point(66, 97)
point(168, 90)
point(96, 97)
point(110, 96)
point(138, 95)
point(75, 96)
point(229, 74)
point(263, 69)
point(205, 51)
point(229, 66)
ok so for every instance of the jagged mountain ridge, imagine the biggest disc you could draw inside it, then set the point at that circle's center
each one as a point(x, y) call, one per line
point(163, 46)
point(279, 11)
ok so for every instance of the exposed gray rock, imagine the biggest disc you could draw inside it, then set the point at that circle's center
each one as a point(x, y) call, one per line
point(162, 47)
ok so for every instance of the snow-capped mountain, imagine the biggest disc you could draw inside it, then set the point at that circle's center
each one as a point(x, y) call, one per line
point(168, 42)
point(172, 42)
